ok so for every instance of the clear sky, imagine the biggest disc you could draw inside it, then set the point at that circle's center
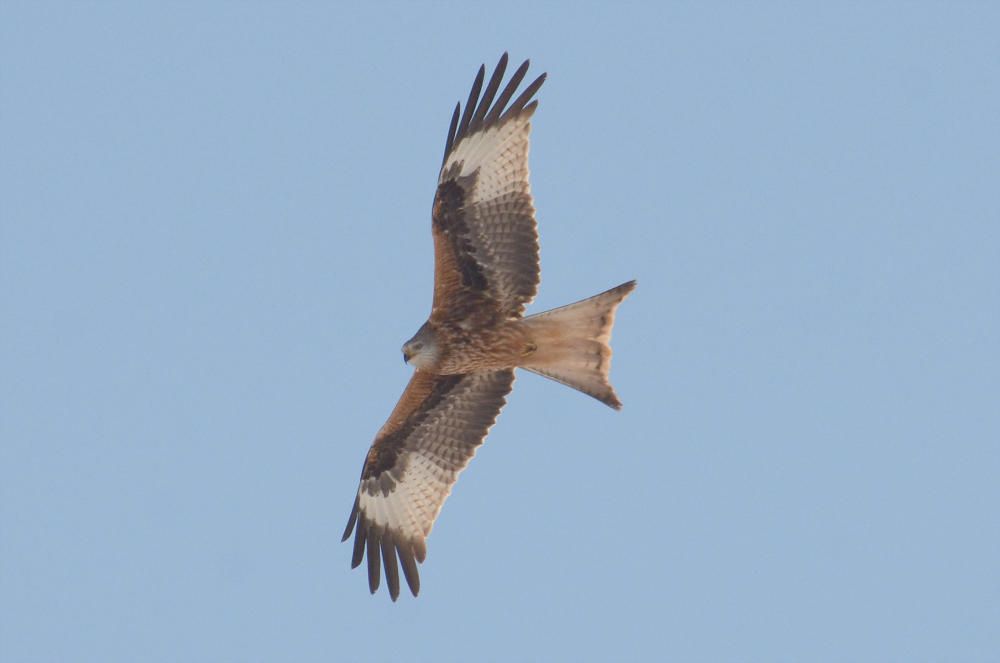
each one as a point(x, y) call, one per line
point(215, 237)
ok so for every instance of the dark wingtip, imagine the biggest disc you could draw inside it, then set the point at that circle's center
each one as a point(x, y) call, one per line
point(470, 105)
point(389, 561)
point(485, 111)
point(408, 561)
point(489, 94)
point(450, 142)
point(351, 521)
point(420, 551)
point(360, 540)
point(518, 106)
point(374, 562)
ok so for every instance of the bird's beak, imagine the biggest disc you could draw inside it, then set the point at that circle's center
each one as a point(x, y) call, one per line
point(406, 357)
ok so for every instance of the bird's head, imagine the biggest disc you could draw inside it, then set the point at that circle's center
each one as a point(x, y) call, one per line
point(422, 350)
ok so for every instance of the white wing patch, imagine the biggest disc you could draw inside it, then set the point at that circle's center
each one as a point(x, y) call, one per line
point(412, 506)
point(492, 150)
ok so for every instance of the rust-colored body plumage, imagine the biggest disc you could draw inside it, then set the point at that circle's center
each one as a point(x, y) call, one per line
point(483, 348)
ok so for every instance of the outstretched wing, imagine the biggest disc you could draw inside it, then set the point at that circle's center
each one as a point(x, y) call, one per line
point(485, 235)
point(430, 437)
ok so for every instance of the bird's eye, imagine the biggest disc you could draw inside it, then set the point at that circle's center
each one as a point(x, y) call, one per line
point(418, 346)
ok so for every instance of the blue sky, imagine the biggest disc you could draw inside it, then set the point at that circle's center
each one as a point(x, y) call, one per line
point(214, 238)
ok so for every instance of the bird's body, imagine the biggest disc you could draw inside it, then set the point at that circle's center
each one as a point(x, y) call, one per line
point(486, 271)
point(473, 348)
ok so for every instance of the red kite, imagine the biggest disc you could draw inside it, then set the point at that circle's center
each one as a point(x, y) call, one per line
point(485, 273)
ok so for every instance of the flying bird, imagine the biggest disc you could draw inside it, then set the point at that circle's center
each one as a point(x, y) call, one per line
point(486, 272)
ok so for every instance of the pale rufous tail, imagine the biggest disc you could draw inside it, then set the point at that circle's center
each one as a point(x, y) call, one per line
point(572, 343)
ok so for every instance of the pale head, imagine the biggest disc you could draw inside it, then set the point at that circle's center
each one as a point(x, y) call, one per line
point(422, 350)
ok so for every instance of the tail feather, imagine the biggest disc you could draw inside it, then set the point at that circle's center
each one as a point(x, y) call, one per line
point(572, 343)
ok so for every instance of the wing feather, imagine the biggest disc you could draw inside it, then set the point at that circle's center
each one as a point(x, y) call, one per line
point(390, 564)
point(451, 132)
point(429, 438)
point(519, 105)
point(470, 105)
point(409, 564)
point(491, 91)
point(373, 560)
point(485, 234)
point(508, 92)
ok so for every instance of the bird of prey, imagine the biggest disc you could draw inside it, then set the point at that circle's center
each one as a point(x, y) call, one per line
point(486, 272)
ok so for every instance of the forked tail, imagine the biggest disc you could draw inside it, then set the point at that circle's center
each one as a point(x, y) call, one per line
point(572, 343)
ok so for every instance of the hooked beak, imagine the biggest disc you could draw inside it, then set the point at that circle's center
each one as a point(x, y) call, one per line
point(406, 357)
